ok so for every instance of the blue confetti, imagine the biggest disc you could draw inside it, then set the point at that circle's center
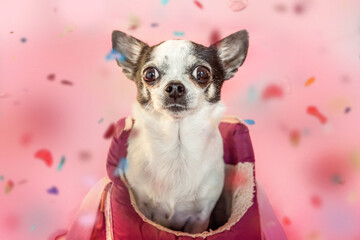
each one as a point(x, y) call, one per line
point(53, 190)
point(2, 178)
point(179, 34)
point(347, 110)
point(249, 121)
point(164, 2)
point(101, 120)
point(61, 164)
point(32, 228)
point(122, 167)
point(23, 40)
point(113, 54)
point(252, 94)
point(154, 25)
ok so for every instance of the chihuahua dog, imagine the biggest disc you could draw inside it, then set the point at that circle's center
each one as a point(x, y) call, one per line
point(175, 149)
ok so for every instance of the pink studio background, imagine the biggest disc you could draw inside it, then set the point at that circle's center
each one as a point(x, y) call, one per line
point(312, 178)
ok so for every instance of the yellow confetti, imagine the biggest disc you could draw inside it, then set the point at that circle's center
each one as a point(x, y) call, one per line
point(310, 81)
point(69, 28)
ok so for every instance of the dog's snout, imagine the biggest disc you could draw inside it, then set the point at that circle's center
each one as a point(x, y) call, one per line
point(175, 90)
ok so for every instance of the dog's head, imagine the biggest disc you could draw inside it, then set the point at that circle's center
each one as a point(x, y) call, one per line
point(177, 77)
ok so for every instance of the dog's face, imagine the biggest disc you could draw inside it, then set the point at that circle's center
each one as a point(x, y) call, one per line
point(177, 77)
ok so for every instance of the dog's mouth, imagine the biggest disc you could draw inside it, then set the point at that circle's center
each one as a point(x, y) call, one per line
point(176, 108)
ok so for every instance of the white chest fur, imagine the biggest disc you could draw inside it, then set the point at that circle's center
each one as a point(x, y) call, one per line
point(175, 167)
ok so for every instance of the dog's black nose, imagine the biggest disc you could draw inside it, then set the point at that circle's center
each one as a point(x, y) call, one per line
point(175, 90)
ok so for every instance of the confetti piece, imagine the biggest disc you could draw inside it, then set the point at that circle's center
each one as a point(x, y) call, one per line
point(197, 3)
point(154, 25)
point(110, 131)
point(53, 191)
point(9, 186)
point(280, 8)
point(238, 5)
point(249, 121)
point(311, 110)
point(68, 29)
point(66, 82)
point(272, 91)
point(4, 95)
point(179, 34)
point(32, 228)
point(23, 40)
point(45, 155)
point(2, 178)
point(214, 36)
point(310, 81)
point(164, 2)
point(337, 179)
point(347, 110)
point(316, 201)
point(22, 182)
point(11, 32)
point(299, 8)
point(51, 77)
point(61, 164)
point(286, 221)
point(101, 120)
point(295, 137)
point(25, 139)
point(134, 22)
point(113, 54)
point(84, 155)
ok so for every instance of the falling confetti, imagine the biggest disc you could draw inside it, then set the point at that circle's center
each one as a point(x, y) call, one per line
point(299, 8)
point(337, 179)
point(61, 164)
point(22, 182)
point(238, 5)
point(25, 139)
point(310, 81)
point(23, 40)
point(53, 191)
point(32, 228)
point(280, 8)
point(9, 186)
point(249, 121)
point(316, 201)
point(110, 131)
point(197, 3)
point(113, 54)
point(84, 155)
point(2, 178)
point(347, 110)
point(295, 137)
point(11, 32)
point(101, 120)
point(286, 221)
point(214, 36)
point(272, 91)
point(66, 82)
point(134, 22)
point(4, 95)
point(164, 2)
point(179, 34)
point(122, 167)
point(68, 29)
point(154, 25)
point(51, 77)
point(311, 110)
point(45, 155)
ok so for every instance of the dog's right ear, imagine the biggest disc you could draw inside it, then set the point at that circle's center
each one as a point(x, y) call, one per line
point(131, 48)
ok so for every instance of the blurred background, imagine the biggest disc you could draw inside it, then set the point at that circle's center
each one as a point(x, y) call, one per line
point(299, 84)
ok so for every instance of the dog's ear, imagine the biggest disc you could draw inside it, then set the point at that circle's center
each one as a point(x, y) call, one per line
point(131, 48)
point(232, 52)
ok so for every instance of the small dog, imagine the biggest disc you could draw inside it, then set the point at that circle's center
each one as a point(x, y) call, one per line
point(175, 149)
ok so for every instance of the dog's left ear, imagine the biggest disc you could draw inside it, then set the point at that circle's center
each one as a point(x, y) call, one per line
point(131, 48)
point(232, 52)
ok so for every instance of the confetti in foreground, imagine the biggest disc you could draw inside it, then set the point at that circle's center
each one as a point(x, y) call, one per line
point(280, 8)
point(295, 137)
point(179, 34)
point(61, 164)
point(299, 8)
point(66, 82)
point(113, 54)
point(2, 178)
point(198, 4)
point(272, 91)
point(286, 221)
point(347, 110)
point(68, 29)
point(154, 25)
point(23, 40)
point(122, 167)
point(337, 179)
point(32, 228)
point(84, 155)
point(164, 2)
point(110, 131)
point(26, 139)
point(45, 155)
point(238, 5)
point(101, 120)
point(9, 186)
point(134, 22)
point(249, 121)
point(310, 81)
point(53, 191)
point(316, 201)
point(51, 77)
point(311, 110)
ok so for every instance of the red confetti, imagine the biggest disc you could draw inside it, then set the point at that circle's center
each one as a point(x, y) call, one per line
point(110, 131)
point(315, 112)
point(299, 8)
point(316, 201)
point(214, 36)
point(9, 186)
point(51, 77)
point(11, 32)
point(286, 221)
point(272, 91)
point(66, 82)
point(45, 155)
point(25, 139)
point(295, 137)
point(197, 3)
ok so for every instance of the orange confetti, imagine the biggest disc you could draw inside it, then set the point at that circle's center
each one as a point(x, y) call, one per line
point(9, 186)
point(310, 81)
point(295, 137)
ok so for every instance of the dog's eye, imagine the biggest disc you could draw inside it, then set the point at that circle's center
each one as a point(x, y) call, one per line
point(151, 74)
point(201, 74)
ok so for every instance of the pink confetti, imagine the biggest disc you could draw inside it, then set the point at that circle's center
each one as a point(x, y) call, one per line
point(311, 110)
point(286, 221)
point(66, 82)
point(197, 3)
point(45, 155)
point(280, 8)
point(84, 155)
point(238, 5)
point(51, 77)
point(272, 91)
point(316, 201)
point(110, 131)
